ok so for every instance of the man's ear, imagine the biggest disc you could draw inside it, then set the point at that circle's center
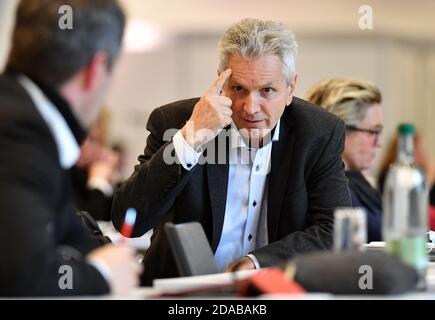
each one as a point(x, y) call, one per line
point(292, 88)
point(96, 69)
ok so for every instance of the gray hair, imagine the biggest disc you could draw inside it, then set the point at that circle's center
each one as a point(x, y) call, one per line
point(348, 99)
point(255, 38)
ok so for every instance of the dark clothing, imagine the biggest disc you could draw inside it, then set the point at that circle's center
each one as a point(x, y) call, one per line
point(93, 201)
point(93, 228)
point(432, 195)
point(365, 196)
point(305, 184)
point(40, 229)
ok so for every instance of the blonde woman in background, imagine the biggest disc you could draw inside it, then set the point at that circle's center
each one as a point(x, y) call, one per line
point(358, 104)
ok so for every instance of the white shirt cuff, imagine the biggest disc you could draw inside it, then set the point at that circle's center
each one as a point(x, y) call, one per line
point(187, 156)
point(254, 259)
point(101, 184)
point(102, 268)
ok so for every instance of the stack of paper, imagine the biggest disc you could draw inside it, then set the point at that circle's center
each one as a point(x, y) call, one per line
point(198, 282)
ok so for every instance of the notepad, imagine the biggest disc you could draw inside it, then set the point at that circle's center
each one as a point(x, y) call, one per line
point(203, 281)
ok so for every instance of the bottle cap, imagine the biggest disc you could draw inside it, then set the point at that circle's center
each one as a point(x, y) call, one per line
point(406, 129)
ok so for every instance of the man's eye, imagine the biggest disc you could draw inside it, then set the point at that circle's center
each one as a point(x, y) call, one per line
point(237, 88)
point(268, 90)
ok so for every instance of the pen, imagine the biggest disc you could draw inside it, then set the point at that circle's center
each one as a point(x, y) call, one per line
point(129, 221)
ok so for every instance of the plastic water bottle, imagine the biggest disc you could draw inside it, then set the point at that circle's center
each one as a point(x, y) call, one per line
point(405, 206)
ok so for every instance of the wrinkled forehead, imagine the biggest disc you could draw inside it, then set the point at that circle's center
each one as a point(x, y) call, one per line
point(256, 71)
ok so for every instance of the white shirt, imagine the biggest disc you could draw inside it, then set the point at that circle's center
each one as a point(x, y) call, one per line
point(245, 222)
point(67, 146)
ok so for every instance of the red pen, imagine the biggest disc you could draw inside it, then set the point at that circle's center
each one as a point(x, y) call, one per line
point(129, 221)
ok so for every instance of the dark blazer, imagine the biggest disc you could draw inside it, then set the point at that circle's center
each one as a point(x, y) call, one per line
point(93, 201)
point(305, 184)
point(365, 196)
point(40, 231)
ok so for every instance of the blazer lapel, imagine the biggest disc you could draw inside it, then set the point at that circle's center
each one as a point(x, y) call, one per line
point(278, 177)
point(217, 175)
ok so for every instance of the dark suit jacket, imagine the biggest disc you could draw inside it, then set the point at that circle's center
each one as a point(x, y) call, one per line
point(365, 196)
point(40, 231)
point(305, 184)
point(93, 201)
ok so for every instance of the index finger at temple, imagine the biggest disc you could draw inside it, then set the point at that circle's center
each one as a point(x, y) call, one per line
point(217, 86)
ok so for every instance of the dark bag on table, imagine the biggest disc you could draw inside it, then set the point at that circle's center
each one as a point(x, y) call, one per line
point(350, 272)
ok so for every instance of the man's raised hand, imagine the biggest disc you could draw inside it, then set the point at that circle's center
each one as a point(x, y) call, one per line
point(211, 114)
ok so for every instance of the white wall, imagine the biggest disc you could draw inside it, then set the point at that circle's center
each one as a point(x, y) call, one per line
point(429, 81)
point(6, 19)
point(142, 83)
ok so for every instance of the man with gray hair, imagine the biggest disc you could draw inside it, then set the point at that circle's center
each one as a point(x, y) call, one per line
point(51, 92)
point(267, 193)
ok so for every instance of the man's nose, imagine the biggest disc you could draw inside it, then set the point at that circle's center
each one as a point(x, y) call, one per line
point(251, 106)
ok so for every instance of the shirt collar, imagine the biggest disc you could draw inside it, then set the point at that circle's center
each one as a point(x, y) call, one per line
point(58, 102)
point(238, 142)
point(65, 110)
point(63, 126)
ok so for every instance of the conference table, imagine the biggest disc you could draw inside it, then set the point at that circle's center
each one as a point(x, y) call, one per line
point(164, 286)
point(153, 293)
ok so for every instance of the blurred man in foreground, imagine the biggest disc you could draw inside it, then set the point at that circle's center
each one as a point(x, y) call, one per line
point(52, 89)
